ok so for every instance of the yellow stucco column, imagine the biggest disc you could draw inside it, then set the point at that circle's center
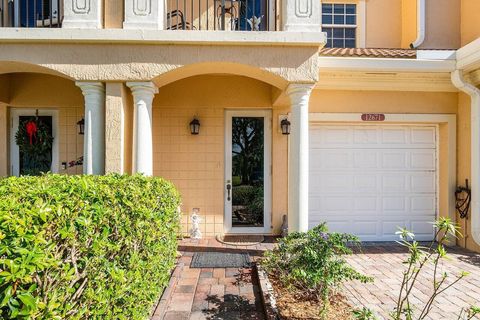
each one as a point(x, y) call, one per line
point(115, 101)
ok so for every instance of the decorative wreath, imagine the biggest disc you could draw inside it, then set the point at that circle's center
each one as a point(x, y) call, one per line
point(35, 143)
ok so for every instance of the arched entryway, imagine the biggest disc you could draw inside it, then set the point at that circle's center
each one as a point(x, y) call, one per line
point(40, 104)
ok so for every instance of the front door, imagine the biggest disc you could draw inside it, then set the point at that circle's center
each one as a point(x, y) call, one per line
point(37, 160)
point(248, 171)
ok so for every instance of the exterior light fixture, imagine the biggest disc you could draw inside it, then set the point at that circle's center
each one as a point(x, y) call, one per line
point(81, 126)
point(285, 124)
point(195, 126)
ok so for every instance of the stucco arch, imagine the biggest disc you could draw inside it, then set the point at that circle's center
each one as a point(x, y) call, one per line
point(24, 67)
point(223, 68)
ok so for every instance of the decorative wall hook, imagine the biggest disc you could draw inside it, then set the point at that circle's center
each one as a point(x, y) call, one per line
point(463, 199)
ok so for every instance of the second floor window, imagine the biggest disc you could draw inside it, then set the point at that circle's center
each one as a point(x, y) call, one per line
point(339, 21)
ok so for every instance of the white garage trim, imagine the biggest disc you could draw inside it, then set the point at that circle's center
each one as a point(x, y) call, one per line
point(410, 119)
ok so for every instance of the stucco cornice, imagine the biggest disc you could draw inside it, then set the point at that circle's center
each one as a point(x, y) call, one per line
point(130, 36)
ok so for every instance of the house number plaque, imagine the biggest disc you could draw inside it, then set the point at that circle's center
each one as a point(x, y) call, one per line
point(373, 117)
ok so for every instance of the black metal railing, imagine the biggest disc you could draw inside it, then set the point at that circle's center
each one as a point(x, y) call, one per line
point(31, 13)
point(228, 15)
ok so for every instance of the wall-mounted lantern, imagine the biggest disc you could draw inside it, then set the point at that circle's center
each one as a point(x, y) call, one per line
point(195, 126)
point(81, 126)
point(285, 125)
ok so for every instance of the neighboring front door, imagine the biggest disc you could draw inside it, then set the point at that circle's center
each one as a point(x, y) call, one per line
point(32, 164)
point(248, 171)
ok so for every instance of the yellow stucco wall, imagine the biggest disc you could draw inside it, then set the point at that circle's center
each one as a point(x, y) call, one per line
point(383, 23)
point(464, 164)
point(383, 101)
point(442, 24)
point(196, 163)
point(409, 22)
point(48, 92)
point(4, 88)
point(470, 17)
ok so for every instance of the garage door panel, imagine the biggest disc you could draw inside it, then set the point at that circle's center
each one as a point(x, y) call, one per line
point(396, 204)
point(365, 160)
point(425, 137)
point(423, 160)
point(422, 182)
point(373, 136)
point(422, 204)
point(365, 183)
point(394, 160)
point(365, 204)
point(365, 135)
point(369, 180)
point(394, 182)
point(394, 135)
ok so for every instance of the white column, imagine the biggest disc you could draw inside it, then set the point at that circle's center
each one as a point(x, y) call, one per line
point(143, 93)
point(94, 138)
point(82, 14)
point(298, 157)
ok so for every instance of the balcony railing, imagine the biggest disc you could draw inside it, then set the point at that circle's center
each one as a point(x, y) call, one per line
point(228, 15)
point(30, 13)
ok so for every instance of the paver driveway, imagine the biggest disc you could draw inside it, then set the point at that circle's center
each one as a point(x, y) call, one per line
point(384, 263)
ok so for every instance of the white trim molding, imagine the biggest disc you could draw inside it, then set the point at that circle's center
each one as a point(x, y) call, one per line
point(468, 57)
point(15, 113)
point(474, 93)
point(448, 119)
point(385, 81)
point(385, 64)
point(132, 36)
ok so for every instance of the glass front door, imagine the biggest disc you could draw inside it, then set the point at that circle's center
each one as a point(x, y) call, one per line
point(247, 185)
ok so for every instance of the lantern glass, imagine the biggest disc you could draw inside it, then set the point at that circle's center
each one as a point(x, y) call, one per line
point(195, 126)
point(285, 124)
point(81, 126)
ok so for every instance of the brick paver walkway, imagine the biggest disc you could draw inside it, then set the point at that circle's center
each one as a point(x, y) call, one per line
point(226, 293)
point(211, 293)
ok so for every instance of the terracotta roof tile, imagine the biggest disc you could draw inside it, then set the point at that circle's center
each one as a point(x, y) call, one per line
point(369, 53)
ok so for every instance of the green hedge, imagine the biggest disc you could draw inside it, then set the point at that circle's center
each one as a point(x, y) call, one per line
point(85, 247)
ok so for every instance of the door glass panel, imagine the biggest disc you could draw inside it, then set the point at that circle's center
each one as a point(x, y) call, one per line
point(34, 163)
point(248, 171)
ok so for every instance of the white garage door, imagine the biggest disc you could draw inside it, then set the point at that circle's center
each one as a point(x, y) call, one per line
point(369, 180)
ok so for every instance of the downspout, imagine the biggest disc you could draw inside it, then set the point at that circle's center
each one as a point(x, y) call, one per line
point(474, 93)
point(420, 25)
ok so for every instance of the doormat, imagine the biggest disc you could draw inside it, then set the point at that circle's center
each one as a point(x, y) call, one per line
point(220, 260)
point(240, 240)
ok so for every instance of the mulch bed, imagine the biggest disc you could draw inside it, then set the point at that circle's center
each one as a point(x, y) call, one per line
point(293, 306)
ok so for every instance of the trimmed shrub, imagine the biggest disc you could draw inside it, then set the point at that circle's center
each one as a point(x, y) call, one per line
point(85, 247)
point(313, 263)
